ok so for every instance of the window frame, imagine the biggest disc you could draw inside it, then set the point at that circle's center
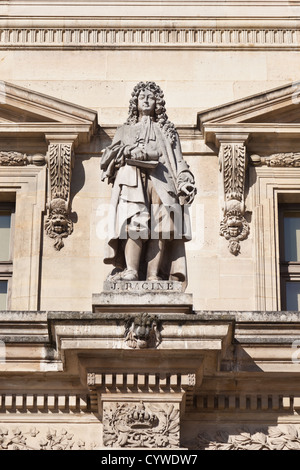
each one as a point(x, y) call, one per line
point(269, 186)
point(289, 270)
point(6, 267)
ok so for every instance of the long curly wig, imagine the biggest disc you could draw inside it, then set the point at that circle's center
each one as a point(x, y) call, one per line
point(160, 117)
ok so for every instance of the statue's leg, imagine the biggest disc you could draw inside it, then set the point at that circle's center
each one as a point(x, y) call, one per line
point(133, 250)
point(154, 254)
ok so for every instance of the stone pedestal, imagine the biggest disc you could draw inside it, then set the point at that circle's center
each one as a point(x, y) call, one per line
point(154, 296)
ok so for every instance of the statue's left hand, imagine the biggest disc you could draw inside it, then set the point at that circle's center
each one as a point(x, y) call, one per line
point(187, 193)
point(186, 188)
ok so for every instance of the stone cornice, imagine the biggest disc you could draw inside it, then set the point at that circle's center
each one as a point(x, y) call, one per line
point(96, 333)
point(149, 37)
point(150, 24)
point(157, 8)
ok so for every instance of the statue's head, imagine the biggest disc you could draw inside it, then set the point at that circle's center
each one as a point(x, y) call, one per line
point(148, 98)
point(147, 93)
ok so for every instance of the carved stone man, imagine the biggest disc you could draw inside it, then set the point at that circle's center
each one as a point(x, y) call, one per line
point(152, 186)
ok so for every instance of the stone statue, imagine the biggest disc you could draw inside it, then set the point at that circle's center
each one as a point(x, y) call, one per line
point(152, 188)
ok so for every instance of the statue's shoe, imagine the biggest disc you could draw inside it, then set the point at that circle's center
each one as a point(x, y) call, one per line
point(154, 278)
point(130, 275)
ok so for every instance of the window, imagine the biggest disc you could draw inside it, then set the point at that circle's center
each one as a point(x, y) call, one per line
point(3, 295)
point(6, 250)
point(289, 234)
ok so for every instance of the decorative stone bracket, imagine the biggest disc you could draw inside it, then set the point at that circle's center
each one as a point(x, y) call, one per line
point(232, 163)
point(60, 158)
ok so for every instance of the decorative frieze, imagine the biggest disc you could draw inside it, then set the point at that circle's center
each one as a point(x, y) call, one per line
point(234, 227)
point(141, 425)
point(134, 37)
point(58, 224)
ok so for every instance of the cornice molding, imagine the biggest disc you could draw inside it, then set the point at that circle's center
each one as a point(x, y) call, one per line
point(159, 37)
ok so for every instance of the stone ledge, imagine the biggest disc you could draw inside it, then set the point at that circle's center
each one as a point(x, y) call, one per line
point(130, 302)
point(153, 295)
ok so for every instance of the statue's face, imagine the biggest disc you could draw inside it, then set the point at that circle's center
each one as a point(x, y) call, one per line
point(234, 225)
point(146, 103)
point(59, 223)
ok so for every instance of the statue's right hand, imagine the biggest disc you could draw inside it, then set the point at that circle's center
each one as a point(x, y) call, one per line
point(138, 154)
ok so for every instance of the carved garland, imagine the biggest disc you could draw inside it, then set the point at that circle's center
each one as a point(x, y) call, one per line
point(274, 439)
point(290, 159)
point(58, 224)
point(234, 226)
point(21, 159)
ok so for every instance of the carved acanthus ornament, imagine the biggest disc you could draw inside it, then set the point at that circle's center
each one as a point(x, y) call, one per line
point(58, 224)
point(141, 425)
point(289, 159)
point(232, 160)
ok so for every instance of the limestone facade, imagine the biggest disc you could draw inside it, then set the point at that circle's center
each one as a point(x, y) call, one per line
point(221, 357)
